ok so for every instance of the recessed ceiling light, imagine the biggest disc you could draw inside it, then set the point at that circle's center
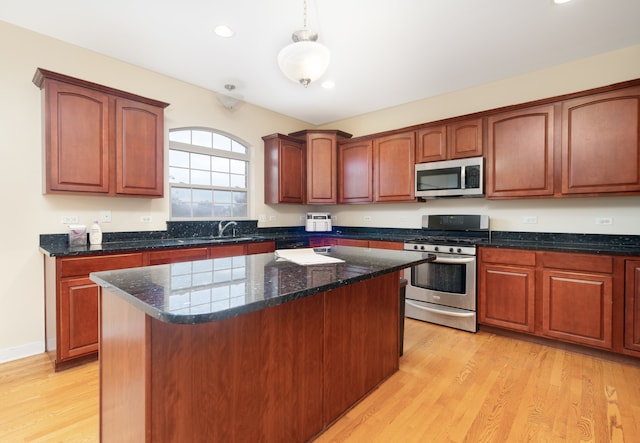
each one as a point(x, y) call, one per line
point(223, 31)
point(328, 84)
point(559, 2)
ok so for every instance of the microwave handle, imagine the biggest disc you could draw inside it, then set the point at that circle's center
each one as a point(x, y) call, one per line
point(454, 261)
point(437, 311)
point(463, 176)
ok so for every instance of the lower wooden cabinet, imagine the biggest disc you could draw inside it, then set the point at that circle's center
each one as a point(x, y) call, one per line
point(632, 306)
point(71, 304)
point(316, 242)
point(577, 307)
point(563, 296)
point(507, 284)
point(72, 299)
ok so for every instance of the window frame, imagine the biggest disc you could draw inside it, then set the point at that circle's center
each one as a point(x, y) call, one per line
point(191, 148)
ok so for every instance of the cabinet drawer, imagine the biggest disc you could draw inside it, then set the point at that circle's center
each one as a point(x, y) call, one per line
point(177, 255)
point(508, 256)
point(84, 265)
point(578, 262)
point(261, 247)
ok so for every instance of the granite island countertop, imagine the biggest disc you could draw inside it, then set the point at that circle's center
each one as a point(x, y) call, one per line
point(211, 290)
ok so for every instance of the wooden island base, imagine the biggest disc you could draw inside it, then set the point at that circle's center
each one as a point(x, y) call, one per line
point(281, 374)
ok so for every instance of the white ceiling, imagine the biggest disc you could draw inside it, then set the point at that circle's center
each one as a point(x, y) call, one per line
point(383, 52)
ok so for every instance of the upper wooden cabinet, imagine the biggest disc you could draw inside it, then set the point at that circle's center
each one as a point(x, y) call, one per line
point(446, 142)
point(355, 172)
point(99, 140)
point(322, 165)
point(585, 146)
point(284, 169)
point(520, 153)
point(393, 167)
point(601, 143)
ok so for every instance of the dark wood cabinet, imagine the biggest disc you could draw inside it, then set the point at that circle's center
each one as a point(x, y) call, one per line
point(520, 153)
point(322, 164)
point(71, 304)
point(99, 140)
point(284, 169)
point(394, 167)
point(465, 138)
point(601, 143)
point(71, 298)
point(460, 139)
point(355, 172)
point(632, 306)
point(577, 307)
point(559, 295)
point(431, 144)
point(586, 146)
point(507, 289)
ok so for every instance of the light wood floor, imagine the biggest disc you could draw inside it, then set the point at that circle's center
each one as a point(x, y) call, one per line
point(452, 387)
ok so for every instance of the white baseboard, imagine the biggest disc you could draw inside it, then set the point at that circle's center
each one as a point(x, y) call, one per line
point(17, 352)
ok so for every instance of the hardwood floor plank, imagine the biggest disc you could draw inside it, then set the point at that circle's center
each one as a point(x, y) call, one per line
point(452, 386)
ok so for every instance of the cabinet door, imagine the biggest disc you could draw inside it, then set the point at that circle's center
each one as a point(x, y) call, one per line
point(284, 170)
point(632, 306)
point(520, 153)
point(601, 143)
point(393, 167)
point(322, 168)
point(139, 148)
point(355, 169)
point(506, 297)
point(577, 307)
point(431, 144)
point(464, 139)
point(77, 318)
point(76, 139)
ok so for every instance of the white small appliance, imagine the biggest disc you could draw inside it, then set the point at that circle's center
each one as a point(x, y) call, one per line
point(318, 222)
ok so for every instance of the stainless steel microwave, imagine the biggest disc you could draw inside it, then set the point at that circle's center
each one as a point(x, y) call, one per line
point(450, 178)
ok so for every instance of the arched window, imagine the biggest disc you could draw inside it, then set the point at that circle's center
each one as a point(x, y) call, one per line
point(208, 172)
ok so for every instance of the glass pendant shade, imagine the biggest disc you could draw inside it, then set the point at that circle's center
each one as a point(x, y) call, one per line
point(304, 61)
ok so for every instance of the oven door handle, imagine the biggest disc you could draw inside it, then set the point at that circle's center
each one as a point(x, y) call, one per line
point(438, 311)
point(453, 261)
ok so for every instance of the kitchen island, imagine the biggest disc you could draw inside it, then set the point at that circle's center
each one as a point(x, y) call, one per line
point(245, 348)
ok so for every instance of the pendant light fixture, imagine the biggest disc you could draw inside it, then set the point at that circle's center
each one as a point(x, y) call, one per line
point(304, 60)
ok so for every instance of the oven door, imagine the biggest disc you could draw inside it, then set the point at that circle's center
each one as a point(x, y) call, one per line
point(449, 280)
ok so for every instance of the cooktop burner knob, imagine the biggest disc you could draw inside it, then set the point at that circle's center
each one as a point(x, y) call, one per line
point(415, 246)
point(450, 249)
point(436, 249)
point(459, 250)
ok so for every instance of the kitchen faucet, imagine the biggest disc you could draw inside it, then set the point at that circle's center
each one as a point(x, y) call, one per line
point(223, 227)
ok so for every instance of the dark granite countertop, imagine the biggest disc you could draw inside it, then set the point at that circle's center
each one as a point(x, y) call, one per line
point(194, 234)
point(211, 290)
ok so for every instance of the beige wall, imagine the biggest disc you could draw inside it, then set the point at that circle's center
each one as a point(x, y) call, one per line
point(28, 213)
point(554, 215)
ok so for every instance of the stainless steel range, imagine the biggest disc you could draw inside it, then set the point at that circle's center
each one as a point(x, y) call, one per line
point(444, 291)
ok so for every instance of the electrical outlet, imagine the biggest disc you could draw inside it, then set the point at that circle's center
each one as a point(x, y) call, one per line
point(262, 218)
point(530, 220)
point(604, 220)
point(367, 218)
point(105, 216)
point(272, 217)
point(146, 218)
point(69, 219)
